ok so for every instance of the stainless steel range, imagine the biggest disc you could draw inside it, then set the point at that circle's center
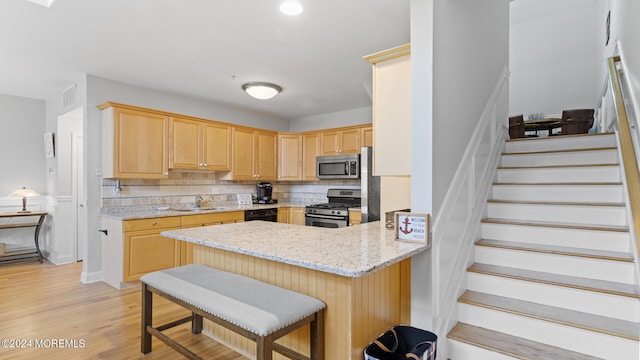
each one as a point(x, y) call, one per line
point(335, 213)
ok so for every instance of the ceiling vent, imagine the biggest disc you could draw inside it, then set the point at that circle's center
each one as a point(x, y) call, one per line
point(69, 97)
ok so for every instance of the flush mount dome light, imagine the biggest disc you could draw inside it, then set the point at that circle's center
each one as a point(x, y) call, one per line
point(261, 90)
point(291, 8)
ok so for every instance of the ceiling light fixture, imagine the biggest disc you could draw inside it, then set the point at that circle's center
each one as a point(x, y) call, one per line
point(261, 90)
point(45, 3)
point(291, 8)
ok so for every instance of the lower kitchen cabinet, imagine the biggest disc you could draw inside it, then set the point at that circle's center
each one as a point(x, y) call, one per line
point(296, 216)
point(190, 221)
point(355, 217)
point(132, 248)
point(283, 214)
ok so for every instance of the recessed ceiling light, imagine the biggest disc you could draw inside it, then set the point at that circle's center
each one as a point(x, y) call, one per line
point(261, 90)
point(46, 3)
point(291, 8)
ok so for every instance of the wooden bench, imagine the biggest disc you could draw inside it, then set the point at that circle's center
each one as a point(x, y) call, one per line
point(256, 310)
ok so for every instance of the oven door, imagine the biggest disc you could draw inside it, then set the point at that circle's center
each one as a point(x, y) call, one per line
point(326, 221)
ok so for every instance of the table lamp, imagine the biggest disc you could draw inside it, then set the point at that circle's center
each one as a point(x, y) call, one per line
point(24, 192)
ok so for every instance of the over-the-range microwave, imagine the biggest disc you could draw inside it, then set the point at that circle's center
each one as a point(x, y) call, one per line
point(338, 167)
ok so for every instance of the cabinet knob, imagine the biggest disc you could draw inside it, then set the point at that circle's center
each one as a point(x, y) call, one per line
point(154, 223)
point(205, 165)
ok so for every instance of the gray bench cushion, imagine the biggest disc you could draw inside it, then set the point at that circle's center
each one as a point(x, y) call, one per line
point(248, 303)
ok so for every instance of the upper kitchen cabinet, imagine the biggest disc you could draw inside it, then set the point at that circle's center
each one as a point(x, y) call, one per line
point(310, 149)
point(199, 145)
point(254, 155)
point(290, 160)
point(367, 135)
point(341, 141)
point(391, 111)
point(135, 142)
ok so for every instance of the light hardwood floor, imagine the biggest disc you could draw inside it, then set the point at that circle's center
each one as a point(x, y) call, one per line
point(43, 303)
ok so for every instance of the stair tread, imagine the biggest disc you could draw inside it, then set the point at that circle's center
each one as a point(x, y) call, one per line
point(556, 166)
point(558, 250)
point(559, 203)
point(541, 152)
point(601, 324)
point(586, 183)
point(556, 225)
point(602, 286)
point(558, 137)
point(510, 345)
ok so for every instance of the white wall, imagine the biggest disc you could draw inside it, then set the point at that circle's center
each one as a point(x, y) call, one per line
point(22, 144)
point(336, 119)
point(555, 55)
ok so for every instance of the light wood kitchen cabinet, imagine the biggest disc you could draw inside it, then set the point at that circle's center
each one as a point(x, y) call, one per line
point(283, 215)
point(355, 217)
point(135, 143)
point(296, 215)
point(310, 149)
point(190, 221)
point(367, 135)
point(145, 250)
point(290, 160)
point(337, 142)
point(254, 155)
point(199, 145)
point(392, 111)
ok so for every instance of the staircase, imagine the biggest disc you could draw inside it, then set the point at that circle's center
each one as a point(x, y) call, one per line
point(554, 276)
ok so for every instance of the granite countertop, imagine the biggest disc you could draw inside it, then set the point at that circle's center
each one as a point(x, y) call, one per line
point(145, 212)
point(352, 251)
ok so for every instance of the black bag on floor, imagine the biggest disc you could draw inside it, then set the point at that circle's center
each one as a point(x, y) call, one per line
point(403, 342)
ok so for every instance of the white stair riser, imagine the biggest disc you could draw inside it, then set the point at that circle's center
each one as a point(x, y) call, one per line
point(462, 351)
point(559, 193)
point(563, 336)
point(619, 307)
point(561, 174)
point(616, 271)
point(562, 143)
point(586, 215)
point(561, 158)
point(578, 238)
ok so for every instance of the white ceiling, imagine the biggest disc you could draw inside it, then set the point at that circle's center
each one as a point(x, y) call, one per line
point(203, 48)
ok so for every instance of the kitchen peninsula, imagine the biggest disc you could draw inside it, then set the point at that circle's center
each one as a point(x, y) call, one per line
point(360, 272)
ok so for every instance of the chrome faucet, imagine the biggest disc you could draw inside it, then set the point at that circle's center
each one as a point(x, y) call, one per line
point(198, 200)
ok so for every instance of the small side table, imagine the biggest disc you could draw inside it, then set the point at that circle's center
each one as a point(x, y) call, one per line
point(12, 255)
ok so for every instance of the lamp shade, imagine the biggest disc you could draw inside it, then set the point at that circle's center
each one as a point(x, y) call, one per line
point(261, 90)
point(24, 192)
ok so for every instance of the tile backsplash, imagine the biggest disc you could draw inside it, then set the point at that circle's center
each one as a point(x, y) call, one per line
point(183, 187)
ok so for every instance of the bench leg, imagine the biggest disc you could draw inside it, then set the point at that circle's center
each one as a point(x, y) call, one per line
point(147, 310)
point(196, 323)
point(317, 337)
point(264, 349)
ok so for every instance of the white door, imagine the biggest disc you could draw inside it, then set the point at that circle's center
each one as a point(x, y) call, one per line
point(77, 183)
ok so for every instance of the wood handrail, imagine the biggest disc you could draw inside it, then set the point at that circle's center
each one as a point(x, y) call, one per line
point(629, 159)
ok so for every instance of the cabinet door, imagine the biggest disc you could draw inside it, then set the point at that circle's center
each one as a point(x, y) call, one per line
point(330, 142)
point(355, 217)
point(289, 157)
point(367, 135)
point(242, 165)
point(147, 251)
point(216, 146)
point(350, 141)
point(310, 149)
point(283, 215)
point(140, 144)
point(186, 144)
point(297, 216)
point(265, 156)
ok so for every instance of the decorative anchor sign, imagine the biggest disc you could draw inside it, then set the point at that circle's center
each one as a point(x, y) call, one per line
point(413, 227)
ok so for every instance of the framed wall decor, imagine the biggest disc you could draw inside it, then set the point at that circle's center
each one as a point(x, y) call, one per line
point(49, 148)
point(413, 227)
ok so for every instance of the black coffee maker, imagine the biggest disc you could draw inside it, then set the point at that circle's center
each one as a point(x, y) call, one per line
point(263, 193)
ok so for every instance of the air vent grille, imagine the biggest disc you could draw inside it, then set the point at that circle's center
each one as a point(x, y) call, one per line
point(69, 97)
